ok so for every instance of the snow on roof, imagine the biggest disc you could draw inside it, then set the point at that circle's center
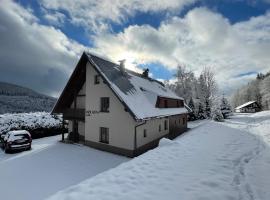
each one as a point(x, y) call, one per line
point(245, 104)
point(139, 93)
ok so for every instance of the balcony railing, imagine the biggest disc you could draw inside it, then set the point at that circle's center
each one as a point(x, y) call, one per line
point(72, 113)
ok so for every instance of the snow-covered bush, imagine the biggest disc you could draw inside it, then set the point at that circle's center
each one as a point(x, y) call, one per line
point(217, 115)
point(30, 121)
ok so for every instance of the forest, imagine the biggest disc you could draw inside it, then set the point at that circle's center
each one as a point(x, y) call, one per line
point(200, 94)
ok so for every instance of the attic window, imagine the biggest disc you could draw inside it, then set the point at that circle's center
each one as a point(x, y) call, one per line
point(97, 79)
point(166, 103)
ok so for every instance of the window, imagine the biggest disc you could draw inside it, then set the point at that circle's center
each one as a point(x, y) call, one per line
point(144, 133)
point(165, 125)
point(175, 122)
point(159, 128)
point(97, 77)
point(104, 135)
point(184, 121)
point(166, 103)
point(105, 104)
point(178, 104)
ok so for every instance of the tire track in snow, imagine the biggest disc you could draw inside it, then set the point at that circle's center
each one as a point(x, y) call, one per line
point(245, 188)
point(246, 192)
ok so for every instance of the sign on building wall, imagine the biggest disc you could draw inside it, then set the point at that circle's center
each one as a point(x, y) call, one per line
point(89, 113)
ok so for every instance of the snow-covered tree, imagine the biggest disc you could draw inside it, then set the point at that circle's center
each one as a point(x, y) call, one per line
point(191, 104)
point(197, 92)
point(200, 114)
point(207, 90)
point(184, 85)
point(225, 108)
point(217, 115)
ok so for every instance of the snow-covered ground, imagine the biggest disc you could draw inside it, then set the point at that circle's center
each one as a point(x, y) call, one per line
point(257, 171)
point(212, 161)
point(49, 167)
point(229, 160)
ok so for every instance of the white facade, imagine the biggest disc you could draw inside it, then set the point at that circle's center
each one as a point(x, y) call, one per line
point(120, 123)
point(125, 133)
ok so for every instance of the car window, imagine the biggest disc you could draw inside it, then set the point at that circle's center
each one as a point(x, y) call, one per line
point(21, 136)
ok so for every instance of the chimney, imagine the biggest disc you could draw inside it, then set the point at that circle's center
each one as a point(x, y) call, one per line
point(122, 65)
point(145, 73)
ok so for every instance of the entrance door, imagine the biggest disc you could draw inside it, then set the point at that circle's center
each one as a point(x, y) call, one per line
point(75, 132)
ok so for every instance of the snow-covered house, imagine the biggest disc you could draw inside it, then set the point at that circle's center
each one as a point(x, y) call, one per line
point(248, 107)
point(117, 110)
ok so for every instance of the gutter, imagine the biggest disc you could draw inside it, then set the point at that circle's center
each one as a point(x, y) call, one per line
point(135, 135)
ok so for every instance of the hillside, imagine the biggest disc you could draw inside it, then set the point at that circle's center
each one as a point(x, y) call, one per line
point(16, 99)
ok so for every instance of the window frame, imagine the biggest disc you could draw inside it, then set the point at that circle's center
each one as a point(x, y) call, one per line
point(165, 103)
point(144, 133)
point(102, 102)
point(165, 125)
point(104, 135)
point(97, 79)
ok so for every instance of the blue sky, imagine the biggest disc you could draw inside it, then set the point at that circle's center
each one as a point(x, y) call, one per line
point(231, 35)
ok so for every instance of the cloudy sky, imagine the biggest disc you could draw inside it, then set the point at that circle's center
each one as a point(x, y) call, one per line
point(41, 41)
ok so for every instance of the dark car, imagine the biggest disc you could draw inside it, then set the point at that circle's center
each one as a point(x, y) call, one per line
point(17, 140)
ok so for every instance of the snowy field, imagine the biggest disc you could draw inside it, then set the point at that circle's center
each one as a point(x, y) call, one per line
point(212, 161)
point(224, 161)
point(49, 167)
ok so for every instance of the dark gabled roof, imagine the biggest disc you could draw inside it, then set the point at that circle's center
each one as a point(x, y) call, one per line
point(72, 87)
point(137, 93)
point(246, 104)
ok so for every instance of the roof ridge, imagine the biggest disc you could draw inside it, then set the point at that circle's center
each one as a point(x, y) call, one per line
point(128, 70)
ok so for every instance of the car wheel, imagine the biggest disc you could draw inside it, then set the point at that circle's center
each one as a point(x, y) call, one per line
point(6, 149)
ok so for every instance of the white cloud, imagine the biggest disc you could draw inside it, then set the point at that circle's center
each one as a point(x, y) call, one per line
point(201, 38)
point(43, 57)
point(54, 18)
point(40, 57)
point(96, 15)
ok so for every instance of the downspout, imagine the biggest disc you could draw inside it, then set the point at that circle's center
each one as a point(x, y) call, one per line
point(135, 137)
point(63, 127)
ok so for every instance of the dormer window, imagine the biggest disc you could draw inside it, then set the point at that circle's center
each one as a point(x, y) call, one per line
point(97, 79)
point(166, 103)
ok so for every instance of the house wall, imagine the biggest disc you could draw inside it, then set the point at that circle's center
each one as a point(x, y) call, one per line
point(249, 108)
point(80, 98)
point(120, 123)
point(152, 131)
point(81, 128)
point(70, 125)
point(122, 138)
point(178, 124)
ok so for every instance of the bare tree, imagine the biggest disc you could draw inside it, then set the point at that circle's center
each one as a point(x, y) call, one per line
point(184, 82)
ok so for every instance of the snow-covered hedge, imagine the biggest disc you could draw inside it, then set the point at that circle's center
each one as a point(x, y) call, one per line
point(29, 121)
